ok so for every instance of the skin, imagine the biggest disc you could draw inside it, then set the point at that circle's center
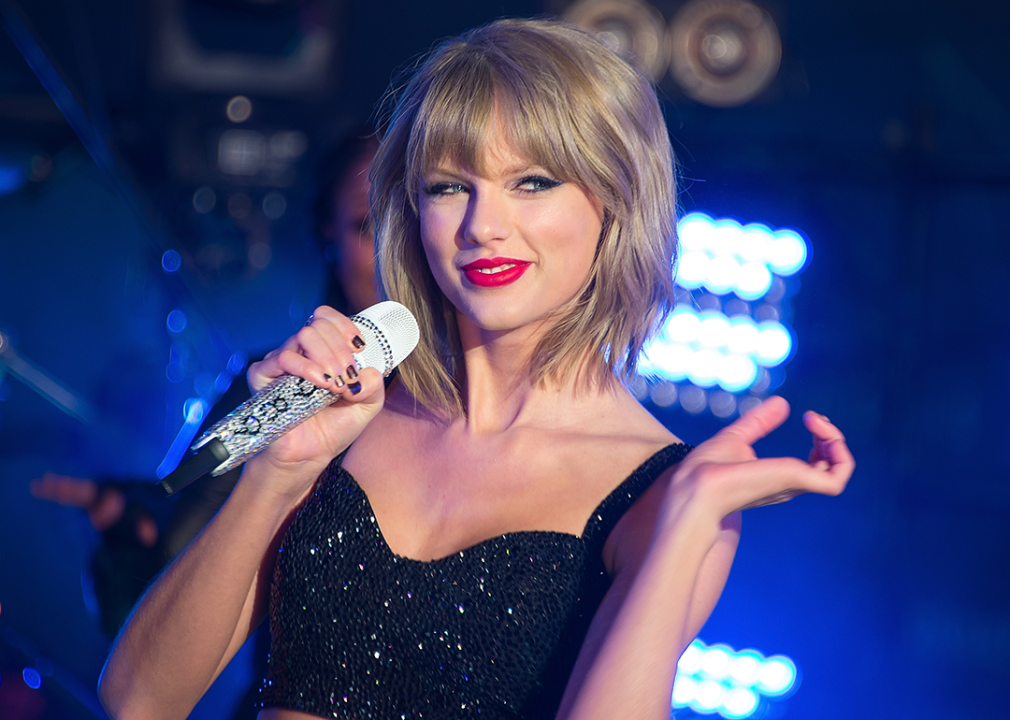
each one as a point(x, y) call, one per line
point(105, 506)
point(523, 457)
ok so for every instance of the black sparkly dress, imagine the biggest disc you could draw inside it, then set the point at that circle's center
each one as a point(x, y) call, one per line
point(490, 632)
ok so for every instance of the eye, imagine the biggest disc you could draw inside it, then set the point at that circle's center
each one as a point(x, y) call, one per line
point(444, 188)
point(537, 183)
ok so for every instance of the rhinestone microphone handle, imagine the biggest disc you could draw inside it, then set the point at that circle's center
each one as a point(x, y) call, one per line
point(286, 403)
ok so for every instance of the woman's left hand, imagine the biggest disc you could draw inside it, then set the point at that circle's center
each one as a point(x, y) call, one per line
point(725, 475)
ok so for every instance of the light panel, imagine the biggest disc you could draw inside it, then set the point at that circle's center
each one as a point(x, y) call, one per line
point(707, 348)
point(729, 326)
point(719, 680)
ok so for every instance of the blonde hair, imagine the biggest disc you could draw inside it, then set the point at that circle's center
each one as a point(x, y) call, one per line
point(571, 105)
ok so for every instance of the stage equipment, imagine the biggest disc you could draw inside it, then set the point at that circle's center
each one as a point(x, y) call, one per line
point(723, 53)
point(184, 58)
point(723, 347)
point(632, 29)
point(733, 684)
point(40, 382)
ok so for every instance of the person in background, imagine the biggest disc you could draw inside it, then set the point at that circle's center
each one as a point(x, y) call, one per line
point(343, 223)
point(504, 532)
point(141, 530)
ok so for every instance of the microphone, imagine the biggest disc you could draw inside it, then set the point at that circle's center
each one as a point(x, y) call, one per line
point(390, 333)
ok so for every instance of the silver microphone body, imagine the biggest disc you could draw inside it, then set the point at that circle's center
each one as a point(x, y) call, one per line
point(390, 333)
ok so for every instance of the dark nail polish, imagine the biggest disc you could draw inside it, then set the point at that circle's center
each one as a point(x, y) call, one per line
point(355, 388)
point(358, 342)
point(352, 372)
point(327, 376)
point(339, 382)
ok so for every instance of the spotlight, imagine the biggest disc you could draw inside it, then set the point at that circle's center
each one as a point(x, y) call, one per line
point(633, 29)
point(719, 680)
point(239, 109)
point(723, 52)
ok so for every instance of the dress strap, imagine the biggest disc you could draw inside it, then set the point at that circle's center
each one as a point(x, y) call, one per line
point(613, 507)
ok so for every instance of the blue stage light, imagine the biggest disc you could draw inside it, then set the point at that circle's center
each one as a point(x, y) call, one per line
point(176, 321)
point(710, 349)
point(171, 261)
point(718, 679)
point(236, 363)
point(194, 410)
point(727, 327)
point(32, 678)
point(12, 178)
point(724, 256)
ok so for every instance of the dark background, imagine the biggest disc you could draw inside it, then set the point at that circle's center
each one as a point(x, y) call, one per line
point(885, 139)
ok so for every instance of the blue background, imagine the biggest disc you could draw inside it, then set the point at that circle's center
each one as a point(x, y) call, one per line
point(885, 138)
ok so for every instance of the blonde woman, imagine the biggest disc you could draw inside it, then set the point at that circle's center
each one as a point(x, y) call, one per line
point(504, 532)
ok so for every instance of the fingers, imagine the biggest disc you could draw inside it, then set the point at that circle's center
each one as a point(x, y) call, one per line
point(104, 506)
point(331, 341)
point(322, 352)
point(759, 422)
point(830, 452)
point(65, 490)
point(107, 510)
point(731, 477)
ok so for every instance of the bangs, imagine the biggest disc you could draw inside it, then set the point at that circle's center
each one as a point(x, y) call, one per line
point(475, 96)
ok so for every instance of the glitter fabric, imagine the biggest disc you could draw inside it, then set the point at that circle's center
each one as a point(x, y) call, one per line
point(491, 632)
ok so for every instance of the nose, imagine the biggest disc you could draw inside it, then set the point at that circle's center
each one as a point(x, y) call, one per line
point(487, 217)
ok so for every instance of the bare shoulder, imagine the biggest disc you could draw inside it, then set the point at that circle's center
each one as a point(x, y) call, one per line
point(630, 538)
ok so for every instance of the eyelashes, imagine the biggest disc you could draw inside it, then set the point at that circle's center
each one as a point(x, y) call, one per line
point(529, 184)
point(444, 188)
point(539, 183)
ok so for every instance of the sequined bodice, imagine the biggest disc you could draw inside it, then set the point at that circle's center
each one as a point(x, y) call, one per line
point(492, 631)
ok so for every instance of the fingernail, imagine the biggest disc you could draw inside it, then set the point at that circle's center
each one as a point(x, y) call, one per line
point(357, 342)
point(825, 418)
point(355, 388)
point(351, 372)
point(327, 376)
point(339, 382)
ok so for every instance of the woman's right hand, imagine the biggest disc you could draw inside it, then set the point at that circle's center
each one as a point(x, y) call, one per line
point(322, 352)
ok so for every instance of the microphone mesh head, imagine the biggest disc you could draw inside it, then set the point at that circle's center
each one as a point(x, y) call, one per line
point(390, 333)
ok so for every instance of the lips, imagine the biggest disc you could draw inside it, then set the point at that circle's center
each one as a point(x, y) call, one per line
point(494, 272)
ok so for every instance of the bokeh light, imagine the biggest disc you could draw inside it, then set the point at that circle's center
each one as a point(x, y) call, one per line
point(171, 261)
point(707, 348)
point(724, 256)
point(729, 326)
point(32, 678)
point(239, 109)
point(719, 680)
point(176, 321)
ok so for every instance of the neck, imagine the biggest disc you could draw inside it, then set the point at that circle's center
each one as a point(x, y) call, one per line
point(498, 391)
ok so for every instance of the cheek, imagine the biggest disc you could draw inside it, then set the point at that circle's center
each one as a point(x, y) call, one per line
point(437, 235)
point(434, 253)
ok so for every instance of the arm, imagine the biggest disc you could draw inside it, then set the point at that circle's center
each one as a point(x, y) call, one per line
point(665, 588)
point(194, 619)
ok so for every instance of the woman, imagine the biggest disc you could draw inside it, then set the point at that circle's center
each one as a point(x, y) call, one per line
point(505, 532)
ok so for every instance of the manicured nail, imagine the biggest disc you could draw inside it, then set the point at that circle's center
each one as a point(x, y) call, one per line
point(355, 388)
point(351, 372)
point(357, 342)
point(327, 376)
point(339, 382)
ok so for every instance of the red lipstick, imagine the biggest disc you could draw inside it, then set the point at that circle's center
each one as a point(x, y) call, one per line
point(494, 272)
